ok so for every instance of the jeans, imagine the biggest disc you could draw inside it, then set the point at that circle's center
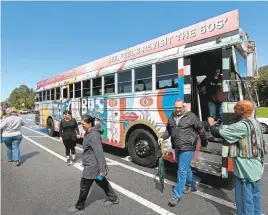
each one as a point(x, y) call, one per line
point(185, 175)
point(85, 186)
point(215, 110)
point(247, 197)
point(12, 146)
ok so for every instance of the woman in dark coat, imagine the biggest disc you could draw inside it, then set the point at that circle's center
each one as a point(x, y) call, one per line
point(68, 133)
point(95, 167)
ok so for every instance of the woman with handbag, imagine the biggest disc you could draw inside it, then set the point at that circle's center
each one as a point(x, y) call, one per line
point(95, 167)
point(68, 133)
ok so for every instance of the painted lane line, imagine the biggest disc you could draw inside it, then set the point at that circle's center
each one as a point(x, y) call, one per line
point(36, 136)
point(127, 158)
point(120, 189)
point(38, 132)
point(199, 193)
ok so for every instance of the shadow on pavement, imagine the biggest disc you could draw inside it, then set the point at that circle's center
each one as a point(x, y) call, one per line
point(25, 157)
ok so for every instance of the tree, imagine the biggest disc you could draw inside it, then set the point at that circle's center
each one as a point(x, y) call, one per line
point(5, 104)
point(261, 84)
point(22, 97)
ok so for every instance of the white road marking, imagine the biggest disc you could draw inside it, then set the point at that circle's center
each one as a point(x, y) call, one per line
point(38, 132)
point(36, 136)
point(199, 193)
point(30, 120)
point(120, 189)
point(127, 158)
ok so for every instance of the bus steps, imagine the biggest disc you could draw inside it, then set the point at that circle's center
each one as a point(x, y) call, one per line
point(207, 167)
point(213, 148)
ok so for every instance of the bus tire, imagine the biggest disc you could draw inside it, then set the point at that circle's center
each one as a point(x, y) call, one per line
point(143, 148)
point(50, 127)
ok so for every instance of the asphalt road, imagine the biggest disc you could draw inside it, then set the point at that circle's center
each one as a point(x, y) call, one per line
point(43, 184)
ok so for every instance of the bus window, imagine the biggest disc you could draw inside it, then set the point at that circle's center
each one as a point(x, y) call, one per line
point(125, 82)
point(167, 75)
point(57, 93)
point(96, 88)
point(65, 93)
point(52, 94)
point(71, 90)
point(43, 97)
point(48, 94)
point(77, 88)
point(86, 88)
point(143, 79)
point(109, 86)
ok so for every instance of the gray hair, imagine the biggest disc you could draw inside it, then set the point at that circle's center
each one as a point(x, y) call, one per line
point(179, 100)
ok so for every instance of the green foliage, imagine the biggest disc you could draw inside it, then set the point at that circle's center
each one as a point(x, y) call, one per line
point(261, 85)
point(262, 112)
point(20, 96)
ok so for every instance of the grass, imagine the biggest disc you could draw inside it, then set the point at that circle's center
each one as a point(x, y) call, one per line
point(262, 112)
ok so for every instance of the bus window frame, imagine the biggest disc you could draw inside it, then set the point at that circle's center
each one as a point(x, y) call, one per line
point(52, 92)
point(62, 88)
point(103, 83)
point(57, 94)
point(101, 86)
point(78, 89)
point(238, 78)
point(82, 87)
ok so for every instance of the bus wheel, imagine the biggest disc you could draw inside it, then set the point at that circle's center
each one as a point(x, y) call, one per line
point(50, 127)
point(143, 148)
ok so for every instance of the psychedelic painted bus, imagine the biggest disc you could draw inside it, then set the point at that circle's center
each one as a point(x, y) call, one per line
point(131, 93)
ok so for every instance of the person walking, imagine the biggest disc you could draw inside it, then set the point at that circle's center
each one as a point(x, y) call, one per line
point(246, 147)
point(183, 128)
point(11, 134)
point(68, 133)
point(95, 166)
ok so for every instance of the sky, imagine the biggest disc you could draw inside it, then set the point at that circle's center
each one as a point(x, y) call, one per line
point(43, 39)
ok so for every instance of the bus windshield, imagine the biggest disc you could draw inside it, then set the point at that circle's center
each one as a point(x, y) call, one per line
point(241, 63)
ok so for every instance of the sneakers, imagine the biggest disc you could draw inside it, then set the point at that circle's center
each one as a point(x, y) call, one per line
point(68, 162)
point(74, 210)
point(188, 190)
point(173, 201)
point(17, 163)
point(72, 161)
point(110, 203)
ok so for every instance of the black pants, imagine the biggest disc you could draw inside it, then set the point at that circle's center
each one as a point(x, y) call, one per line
point(85, 185)
point(69, 146)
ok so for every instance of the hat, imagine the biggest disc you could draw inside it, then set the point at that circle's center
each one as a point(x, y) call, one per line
point(12, 110)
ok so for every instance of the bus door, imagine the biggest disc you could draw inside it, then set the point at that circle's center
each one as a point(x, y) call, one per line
point(37, 99)
point(207, 160)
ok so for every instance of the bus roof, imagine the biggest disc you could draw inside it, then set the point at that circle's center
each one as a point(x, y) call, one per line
point(218, 25)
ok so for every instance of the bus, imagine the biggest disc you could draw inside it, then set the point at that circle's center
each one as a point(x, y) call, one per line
point(131, 93)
